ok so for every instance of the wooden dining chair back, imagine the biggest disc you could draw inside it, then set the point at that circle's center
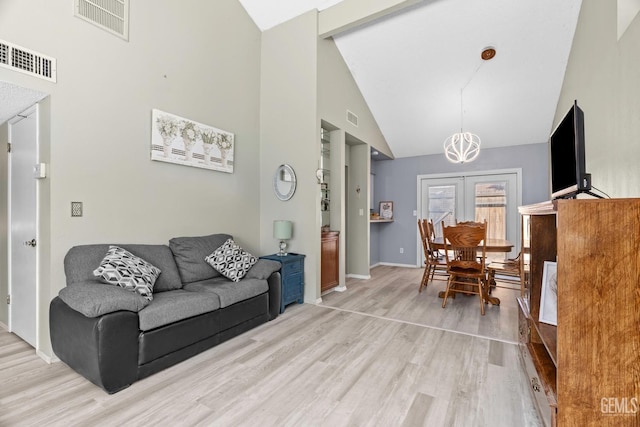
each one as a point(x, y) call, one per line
point(431, 232)
point(465, 254)
point(472, 223)
point(434, 265)
point(509, 272)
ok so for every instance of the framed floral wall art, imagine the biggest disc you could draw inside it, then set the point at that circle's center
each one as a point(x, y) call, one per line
point(386, 210)
point(186, 142)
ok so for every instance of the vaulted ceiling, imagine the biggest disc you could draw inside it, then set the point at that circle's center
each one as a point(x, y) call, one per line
point(420, 71)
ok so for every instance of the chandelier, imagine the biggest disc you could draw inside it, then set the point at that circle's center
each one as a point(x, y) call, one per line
point(463, 147)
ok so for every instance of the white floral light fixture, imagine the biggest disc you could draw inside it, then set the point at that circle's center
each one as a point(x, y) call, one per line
point(464, 147)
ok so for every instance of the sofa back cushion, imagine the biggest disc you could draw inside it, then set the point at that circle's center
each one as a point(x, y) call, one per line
point(81, 261)
point(190, 252)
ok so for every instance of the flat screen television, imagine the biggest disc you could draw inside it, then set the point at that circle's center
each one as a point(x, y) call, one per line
point(568, 175)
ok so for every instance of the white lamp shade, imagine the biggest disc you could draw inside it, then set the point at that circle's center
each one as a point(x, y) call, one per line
point(282, 229)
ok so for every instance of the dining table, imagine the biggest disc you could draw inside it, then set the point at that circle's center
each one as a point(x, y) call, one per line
point(494, 246)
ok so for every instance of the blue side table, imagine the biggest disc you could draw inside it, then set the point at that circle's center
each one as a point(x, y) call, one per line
point(292, 273)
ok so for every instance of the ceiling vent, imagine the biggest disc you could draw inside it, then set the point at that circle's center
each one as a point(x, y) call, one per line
point(110, 15)
point(352, 118)
point(27, 61)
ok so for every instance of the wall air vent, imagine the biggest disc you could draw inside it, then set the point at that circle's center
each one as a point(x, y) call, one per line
point(352, 118)
point(27, 61)
point(110, 15)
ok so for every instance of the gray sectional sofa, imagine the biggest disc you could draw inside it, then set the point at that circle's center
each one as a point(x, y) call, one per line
point(114, 337)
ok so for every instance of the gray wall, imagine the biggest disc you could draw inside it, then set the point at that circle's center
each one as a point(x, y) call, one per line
point(290, 133)
point(304, 81)
point(338, 92)
point(396, 180)
point(199, 60)
point(607, 87)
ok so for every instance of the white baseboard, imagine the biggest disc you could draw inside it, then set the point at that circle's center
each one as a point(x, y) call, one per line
point(392, 264)
point(46, 357)
point(374, 265)
point(340, 288)
point(3, 326)
point(359, 276)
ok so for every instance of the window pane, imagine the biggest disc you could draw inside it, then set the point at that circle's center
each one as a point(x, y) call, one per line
point(442, 206)
point(491, 204)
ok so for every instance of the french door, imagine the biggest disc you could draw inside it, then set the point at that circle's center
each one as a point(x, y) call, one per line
point(494, 196)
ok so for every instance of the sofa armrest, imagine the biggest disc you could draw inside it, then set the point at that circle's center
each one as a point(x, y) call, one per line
point(275, 294)
point(93, 299)
point(102, 349)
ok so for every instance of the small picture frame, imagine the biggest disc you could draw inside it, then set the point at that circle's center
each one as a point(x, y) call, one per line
point(549, 294)
point(386, 210)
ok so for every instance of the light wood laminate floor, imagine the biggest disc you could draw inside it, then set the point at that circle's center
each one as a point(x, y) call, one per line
point(392, 293)
point(312, 366)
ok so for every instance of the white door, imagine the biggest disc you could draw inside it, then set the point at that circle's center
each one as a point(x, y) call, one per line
point(494, 198)
point(22, 218)
point(442, 201)
point(473, 197)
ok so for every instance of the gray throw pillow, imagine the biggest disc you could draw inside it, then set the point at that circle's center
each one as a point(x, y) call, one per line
point(122, 268)
point(190, 252)
point(263, 269)
point(231, 260)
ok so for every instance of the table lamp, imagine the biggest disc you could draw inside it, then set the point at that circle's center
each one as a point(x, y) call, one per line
point(282, 230)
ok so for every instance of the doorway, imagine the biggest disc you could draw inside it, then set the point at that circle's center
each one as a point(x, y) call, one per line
point(22, 224)
point(491, 195)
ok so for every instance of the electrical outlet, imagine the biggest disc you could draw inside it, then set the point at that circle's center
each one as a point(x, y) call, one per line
point(401, 250)
point(415, 213)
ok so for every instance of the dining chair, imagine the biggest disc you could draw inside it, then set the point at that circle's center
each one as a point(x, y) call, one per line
point(465, 266)
point(433, 262)
point(471, 223)
point(509, 271)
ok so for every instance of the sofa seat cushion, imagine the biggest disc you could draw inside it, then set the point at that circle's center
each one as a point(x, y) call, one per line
point(172, 306)
point(81, 261)
point(96, 299)
point(227, 291)
point(190, 252)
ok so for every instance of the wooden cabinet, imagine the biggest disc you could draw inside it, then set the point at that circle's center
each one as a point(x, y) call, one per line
point(585, 371)
point(292, 277)
point(329, 260)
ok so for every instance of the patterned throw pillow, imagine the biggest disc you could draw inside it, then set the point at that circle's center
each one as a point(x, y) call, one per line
point(231, 260)
point(122, 268)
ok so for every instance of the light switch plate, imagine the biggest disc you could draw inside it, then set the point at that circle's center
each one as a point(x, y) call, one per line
point(40, 170)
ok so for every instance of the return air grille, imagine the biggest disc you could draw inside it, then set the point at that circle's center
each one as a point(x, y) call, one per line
point(110, 15)
point(352, 118)
point(27, 61)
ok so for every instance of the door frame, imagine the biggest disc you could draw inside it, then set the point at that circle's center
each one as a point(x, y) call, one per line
point(419, 178)
point(34, 109)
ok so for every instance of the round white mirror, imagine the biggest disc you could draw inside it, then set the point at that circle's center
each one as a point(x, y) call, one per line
point(284, 182)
